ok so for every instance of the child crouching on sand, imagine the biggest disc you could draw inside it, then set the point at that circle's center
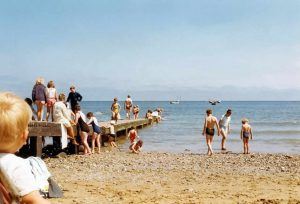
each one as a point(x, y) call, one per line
point(246, 134)
point(135, 143)
point(15, 172)
point(96, 129)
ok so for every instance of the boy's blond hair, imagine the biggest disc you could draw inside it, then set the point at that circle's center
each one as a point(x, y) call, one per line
point(245, 120)
point(15, 115)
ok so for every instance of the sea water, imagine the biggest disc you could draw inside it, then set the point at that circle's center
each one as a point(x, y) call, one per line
point(276, 125)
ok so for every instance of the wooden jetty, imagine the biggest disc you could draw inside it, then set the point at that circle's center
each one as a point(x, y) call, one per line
point(40, 129)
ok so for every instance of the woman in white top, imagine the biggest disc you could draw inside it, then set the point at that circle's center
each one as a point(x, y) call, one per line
point(225, 127)
point(62, 115)
point(51, 99)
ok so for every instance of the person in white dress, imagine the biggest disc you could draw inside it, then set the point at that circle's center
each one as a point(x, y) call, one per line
point(63, 115)
point(224, 124)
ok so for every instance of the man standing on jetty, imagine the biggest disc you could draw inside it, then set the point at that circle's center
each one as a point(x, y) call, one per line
point(74, 97)
point(225, 128)
point(128, 106)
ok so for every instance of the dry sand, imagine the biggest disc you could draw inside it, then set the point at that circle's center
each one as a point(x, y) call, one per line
point(123, 177)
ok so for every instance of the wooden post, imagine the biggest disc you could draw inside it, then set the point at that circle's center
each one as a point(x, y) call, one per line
point(39, 144)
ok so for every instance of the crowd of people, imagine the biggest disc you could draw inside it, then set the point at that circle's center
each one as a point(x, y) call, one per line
point(57, 108)
point(17, 180)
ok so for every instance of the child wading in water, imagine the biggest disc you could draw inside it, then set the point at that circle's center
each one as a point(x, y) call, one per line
point(136, 144)
point(246, 134)
point(97, 131)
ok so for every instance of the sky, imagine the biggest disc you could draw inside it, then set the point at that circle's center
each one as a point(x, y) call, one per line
point(153, 49)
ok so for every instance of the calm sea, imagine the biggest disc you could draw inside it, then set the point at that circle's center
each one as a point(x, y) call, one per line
point(276, 125)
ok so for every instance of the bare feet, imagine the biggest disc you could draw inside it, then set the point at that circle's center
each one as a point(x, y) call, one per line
point(74, 142)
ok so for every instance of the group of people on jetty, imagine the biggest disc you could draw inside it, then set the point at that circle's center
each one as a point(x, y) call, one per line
point(223, 128)
point(67, 111)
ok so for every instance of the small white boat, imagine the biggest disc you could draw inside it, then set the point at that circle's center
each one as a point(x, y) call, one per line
point(214, 102)
point(174, 102)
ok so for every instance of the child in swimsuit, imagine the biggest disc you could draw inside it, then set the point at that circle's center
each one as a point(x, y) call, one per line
point(96, 129)
point(82, 128)
point(135, 143)
point(246, 134)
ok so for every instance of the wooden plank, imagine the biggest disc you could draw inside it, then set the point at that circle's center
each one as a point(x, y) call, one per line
point(42, 128)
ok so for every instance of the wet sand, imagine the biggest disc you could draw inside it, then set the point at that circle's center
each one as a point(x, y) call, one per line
point(123, 177)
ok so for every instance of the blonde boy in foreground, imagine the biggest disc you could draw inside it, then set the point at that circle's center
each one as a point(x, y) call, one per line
point(15, 172)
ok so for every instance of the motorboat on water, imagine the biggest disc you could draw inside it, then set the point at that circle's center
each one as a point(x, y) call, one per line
point(175, 102)
point(214, 102)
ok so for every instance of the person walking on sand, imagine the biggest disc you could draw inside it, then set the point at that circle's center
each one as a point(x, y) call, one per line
point(128, 106)
point(74, 98)
point(224, 127)
point(115, 110)
point(209, 130)
point(246, 134)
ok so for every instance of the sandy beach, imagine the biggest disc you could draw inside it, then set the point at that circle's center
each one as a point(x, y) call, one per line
point(123, 177)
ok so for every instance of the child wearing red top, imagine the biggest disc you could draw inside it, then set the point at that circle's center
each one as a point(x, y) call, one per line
point(136, 144)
